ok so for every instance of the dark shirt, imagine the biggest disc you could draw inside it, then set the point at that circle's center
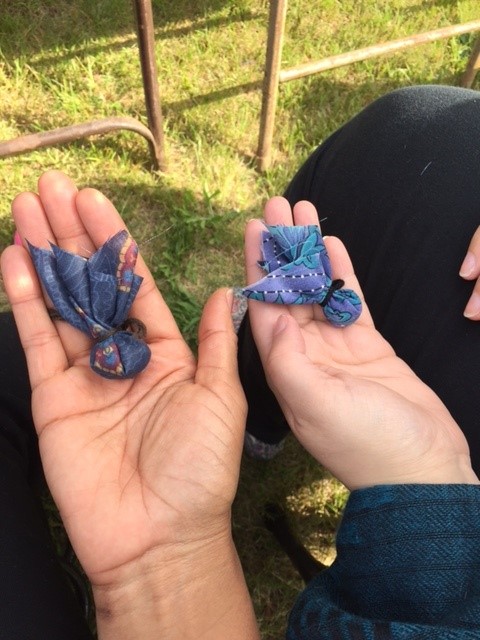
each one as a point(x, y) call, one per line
point(407, 568)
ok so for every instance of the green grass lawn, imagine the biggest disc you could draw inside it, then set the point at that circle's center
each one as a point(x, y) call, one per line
point(65, 61)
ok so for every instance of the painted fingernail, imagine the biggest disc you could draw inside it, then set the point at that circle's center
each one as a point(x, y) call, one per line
point(468, 265)
point(473, 306)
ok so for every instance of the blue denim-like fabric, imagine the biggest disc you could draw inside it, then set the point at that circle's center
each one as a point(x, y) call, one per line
point(407, 568)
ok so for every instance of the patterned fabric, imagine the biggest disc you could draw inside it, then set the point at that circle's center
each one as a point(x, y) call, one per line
point(299, 272)
point(407, 568)
point(95, 296)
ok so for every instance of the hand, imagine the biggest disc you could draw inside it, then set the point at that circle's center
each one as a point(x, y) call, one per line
point(470, 270)
point(135, 466)
point(355, 406)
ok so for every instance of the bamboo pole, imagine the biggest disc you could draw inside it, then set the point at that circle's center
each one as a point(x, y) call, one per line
point(62, 135)
point(275, 75)
point(357, 55)
point(472, 67)
point(146, 45)
point(276, 29)
point(153, 133)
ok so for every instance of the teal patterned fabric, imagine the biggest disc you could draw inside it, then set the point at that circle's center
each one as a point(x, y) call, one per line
point(407, 568)
point(299, 272)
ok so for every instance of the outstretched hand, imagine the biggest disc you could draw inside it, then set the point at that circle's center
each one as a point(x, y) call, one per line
point(353, 404)
point(133, 465)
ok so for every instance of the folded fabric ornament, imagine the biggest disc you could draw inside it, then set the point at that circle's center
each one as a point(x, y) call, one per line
point(95, 296)
point(299, 272)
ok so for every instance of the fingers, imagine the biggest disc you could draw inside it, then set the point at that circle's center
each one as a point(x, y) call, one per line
point(43, 348)
point(80, 222)
point(101, 221)
point(217, 350)
point(304, 213)
point(472, 310)
point(217, 342)
point(277, 212)
point(44, 218)
point(470, 270)
point(253, 253)
point(264, 316)
point(52, 216)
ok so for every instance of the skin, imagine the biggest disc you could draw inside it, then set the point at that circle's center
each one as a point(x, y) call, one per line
point(470, 270)
point(355, 406)
point(144, 471)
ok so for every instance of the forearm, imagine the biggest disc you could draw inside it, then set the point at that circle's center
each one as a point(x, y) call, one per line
point(199, 593)
point(407, 560)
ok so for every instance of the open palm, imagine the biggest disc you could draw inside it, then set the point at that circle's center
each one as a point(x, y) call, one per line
point(132, 464)
point(353, 404)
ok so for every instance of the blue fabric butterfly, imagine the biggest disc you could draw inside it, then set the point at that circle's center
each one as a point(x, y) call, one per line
point(299, 272)
point(95, 296)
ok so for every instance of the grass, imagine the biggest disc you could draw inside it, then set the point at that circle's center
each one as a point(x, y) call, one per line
point(63, 62)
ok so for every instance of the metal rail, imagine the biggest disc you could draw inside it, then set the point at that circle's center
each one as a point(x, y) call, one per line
point(153, 133)
point(274, 75)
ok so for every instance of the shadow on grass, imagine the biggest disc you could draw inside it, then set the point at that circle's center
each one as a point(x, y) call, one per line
point(28, 28)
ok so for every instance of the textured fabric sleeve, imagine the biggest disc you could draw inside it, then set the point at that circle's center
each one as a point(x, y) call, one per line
point(407, 568)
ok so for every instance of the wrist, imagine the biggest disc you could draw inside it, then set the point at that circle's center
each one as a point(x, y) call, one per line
point(451, 470)
point(459, 473)
point(177, 593)
point(455, 470)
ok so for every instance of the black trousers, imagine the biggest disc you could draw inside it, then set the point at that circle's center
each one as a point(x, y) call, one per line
point(36, 599)
point(400, 185)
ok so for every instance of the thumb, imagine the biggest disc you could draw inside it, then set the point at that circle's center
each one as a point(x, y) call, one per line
point(286, 337)
point(217, 343)
point(287, 364)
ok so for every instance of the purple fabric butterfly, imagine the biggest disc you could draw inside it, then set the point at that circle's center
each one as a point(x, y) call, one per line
point(95, 296)
point(299, 272)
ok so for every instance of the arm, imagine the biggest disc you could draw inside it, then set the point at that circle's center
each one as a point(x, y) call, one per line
point(407, 567)
point(409, 541)
point(352, 403)
point(144, 470)
point(197, 591)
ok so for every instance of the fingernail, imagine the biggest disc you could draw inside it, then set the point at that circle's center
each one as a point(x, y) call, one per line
point(281, 324)
point(473, 306)
point(468, 265)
